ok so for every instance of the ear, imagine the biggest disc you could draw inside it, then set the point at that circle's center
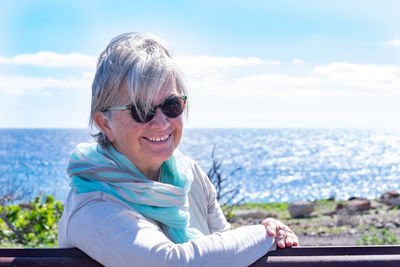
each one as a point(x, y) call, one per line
point(105, 125)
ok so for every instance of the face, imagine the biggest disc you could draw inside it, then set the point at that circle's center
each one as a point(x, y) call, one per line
point(149, 144)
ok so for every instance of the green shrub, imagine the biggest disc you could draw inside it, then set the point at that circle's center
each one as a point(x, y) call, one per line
point(30, 224)
point(384, 238)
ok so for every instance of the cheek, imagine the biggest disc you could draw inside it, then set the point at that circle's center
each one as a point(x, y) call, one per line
point(127, 130)
point(178, 123)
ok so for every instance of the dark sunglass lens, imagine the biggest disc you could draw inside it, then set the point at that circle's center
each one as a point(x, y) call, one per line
point(134, 114)
point(149, 116)
point(172, 107)
point(145, 117)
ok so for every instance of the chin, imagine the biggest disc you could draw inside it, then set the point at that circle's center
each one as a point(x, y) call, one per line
point(160, 156)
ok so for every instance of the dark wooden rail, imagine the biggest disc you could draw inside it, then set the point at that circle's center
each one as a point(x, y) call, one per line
point(332, 256)
point(68, 257)
point(300, 256)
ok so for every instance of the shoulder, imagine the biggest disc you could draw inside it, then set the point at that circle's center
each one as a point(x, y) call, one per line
point(76, 201)
point(193, 167)
point(201, 185)
point(189, 162)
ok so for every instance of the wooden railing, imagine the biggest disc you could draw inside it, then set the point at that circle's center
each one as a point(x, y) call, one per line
point(68, 257)
point(332, 256)
point(299, 256)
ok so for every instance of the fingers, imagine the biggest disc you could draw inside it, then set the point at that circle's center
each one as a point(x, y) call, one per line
point(284, 236)
point(281, 238)
point(291, 239)
point(295, 240)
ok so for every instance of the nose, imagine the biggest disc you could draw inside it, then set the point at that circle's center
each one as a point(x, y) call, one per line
point(160, 121)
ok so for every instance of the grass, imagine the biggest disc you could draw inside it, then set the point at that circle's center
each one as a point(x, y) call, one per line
point(280, 210)
point(323, 221)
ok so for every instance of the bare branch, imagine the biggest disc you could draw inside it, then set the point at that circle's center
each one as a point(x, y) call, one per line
point(13, 189)
point(220, 181)
point(20, 238)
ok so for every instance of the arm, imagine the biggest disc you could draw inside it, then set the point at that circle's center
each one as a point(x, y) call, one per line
point(116, 236)
point(284, 236)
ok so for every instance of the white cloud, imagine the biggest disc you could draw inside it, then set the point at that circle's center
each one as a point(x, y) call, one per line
point(394, 42)
point(339, 94)
point(196, 67)
point(297, 61)
point(51, 59)
point(335, 79)
point(207, 65)
point(273, 94)
point(18, 85)
point(209, 73)
point(221, 62)
point(370, 77)
point(235, 75)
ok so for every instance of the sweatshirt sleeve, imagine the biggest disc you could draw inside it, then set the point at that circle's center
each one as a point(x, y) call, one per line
point(116, 236)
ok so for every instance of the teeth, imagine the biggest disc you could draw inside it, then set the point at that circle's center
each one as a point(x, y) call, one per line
point(158, 139)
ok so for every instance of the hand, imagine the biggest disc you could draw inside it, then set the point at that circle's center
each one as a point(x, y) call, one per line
point(283, 235)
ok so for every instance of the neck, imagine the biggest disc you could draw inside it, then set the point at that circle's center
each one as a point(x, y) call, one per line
point(151, 173)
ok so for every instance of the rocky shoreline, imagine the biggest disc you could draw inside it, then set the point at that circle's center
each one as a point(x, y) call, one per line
point(334, 223)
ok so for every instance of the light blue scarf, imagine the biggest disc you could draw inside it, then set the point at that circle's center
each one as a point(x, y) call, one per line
point(93, 168)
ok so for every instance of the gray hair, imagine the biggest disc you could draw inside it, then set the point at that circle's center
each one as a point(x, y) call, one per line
point(142, 62)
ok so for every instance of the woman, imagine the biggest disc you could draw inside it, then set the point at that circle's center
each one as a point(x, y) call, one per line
point(135, 200)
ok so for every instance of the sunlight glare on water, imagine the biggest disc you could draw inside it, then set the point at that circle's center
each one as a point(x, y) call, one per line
point(275, 164)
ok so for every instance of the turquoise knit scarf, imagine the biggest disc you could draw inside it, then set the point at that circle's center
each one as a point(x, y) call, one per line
point(93, 168)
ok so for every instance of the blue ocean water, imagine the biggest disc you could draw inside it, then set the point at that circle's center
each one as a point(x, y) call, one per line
point(275, 164)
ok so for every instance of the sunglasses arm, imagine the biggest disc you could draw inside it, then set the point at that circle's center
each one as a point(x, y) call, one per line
point(119, 108)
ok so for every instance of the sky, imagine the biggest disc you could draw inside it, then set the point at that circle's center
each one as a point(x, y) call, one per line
point(253, 64)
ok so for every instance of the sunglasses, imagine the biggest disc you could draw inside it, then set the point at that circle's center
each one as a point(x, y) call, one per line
point(171, 107)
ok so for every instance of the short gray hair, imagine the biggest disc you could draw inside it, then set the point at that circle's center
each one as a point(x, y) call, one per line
point(143, 63)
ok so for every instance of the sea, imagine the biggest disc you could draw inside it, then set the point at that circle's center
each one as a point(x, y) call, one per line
point(265, 165)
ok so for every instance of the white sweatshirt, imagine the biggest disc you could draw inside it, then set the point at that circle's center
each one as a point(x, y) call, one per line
point(114, 234)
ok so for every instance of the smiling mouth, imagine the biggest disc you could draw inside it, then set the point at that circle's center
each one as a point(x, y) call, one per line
point(158, 139)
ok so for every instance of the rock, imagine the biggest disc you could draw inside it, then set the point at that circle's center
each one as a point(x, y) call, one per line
point(353, 231)
point(329, 213)
point(388, 196)
point(352, 198)
point(254, 214)
point(390, 225)
point(339, 207)
point(301, 208)
point(239, 221)
point(375, 204)
point(343, 217)
point(395, 202)
point(358, 204)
